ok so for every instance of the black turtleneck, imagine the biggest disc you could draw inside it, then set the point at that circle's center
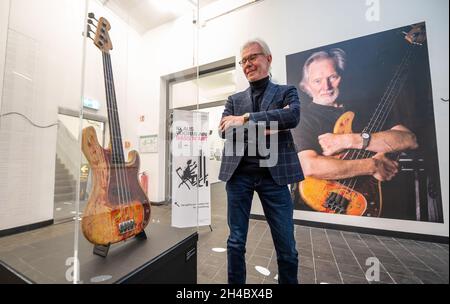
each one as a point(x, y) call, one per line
point(250, 164)
point(257, 89)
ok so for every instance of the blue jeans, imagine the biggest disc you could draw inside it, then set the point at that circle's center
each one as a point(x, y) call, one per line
point(278, 209)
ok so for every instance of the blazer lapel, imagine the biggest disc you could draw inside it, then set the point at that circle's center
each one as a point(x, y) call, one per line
point(269, 94)
point(247, 106)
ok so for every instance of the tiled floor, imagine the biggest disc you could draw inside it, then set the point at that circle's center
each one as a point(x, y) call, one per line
point(325, 256)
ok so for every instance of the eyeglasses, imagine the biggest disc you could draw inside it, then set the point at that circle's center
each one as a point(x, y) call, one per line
point(249, 58)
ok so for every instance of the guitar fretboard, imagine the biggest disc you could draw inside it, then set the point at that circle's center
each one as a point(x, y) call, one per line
point(113, 115)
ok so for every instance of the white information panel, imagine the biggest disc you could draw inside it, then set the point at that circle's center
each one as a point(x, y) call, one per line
point(191, 192)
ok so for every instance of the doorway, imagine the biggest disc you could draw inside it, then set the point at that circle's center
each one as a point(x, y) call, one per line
point(207, 93)
point(69, 164)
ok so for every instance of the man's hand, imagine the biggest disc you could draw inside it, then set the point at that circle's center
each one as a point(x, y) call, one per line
point(385, 168)
point(231, 121)
point(334, 143)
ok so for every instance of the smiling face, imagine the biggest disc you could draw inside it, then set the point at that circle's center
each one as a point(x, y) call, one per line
point(323, 82)
point(256, 65)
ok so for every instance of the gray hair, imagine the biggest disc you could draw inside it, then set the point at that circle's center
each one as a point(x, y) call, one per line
point(265, 48)
point(338, 57)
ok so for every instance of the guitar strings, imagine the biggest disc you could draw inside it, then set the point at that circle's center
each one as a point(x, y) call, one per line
point(355, 153)
point(388, 102)
point(122, 166)
point(379, 123)
point(402, 82)
point(346, 183)
point(393, 95)
point(112, 128)
point(114, 154)
point(385, 101)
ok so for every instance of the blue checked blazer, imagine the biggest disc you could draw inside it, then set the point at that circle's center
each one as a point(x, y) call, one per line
point(275, 99)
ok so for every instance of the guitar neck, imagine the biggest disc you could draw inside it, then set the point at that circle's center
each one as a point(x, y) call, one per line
point(113, 114)
point(390, 96)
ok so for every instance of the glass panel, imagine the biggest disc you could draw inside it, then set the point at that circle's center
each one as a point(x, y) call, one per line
point(126, 203)
point(92, 165)
point(41, 61)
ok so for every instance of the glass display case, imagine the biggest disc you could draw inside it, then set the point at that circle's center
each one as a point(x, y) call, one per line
point(86, 142)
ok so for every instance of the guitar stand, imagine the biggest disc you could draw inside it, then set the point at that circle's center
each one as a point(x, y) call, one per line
point(141, 235)
point(102, 250)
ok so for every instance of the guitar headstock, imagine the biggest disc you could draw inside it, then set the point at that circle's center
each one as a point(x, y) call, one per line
point(101, 39)
point(417, 35)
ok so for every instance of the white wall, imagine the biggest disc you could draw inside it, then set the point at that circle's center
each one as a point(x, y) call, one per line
point(167, 49)
point(291, 26)
point(44, 60)
point(4, 17)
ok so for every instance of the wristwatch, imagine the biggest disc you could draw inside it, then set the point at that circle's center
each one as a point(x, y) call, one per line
point(366, 140)
point(246, 117)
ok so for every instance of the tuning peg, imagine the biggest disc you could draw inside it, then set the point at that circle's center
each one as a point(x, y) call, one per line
point(92, 16)
point(90, 29)
point(91, 23)
point(88, 35)
point(88, 32)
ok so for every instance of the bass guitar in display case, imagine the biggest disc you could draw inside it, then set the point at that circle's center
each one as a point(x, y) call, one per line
point(117, 208)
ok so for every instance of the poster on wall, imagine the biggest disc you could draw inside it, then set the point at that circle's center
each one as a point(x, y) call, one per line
point(191, 192)
point(366, 137)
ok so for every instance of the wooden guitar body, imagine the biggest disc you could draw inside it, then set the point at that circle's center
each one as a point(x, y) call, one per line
point(117, 208)
point(361, 198)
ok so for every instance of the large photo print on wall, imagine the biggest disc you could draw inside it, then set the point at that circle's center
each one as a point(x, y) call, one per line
point(367, 138)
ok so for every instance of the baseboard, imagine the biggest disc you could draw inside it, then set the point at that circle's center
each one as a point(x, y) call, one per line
point(159, 203)
point(25, 228)
point(380, 232)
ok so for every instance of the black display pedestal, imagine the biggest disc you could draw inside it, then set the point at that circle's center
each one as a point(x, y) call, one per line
point(168, 256)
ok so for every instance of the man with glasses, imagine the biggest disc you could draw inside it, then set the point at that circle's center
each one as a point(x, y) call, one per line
point(262, 103)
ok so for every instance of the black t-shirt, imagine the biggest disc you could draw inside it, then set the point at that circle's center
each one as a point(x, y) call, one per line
point(316, 120)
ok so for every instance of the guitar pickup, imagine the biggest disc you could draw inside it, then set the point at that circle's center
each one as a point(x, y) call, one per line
point(337, 203)
point(127, 226)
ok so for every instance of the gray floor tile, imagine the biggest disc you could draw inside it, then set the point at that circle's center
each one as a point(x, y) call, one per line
point(259, 261)
point(346, 259)
point(403, 261)
point(351, 269)
point(397, 269)
point(384, 278)
point(427, 277)
point(306, 261)
point(402, 279)
point(267, 253)
point(349, 279)
point(328, 277)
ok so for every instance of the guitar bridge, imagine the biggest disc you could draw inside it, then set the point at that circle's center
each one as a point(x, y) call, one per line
point(127, 226)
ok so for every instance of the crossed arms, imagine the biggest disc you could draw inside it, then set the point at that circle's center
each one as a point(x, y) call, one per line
point(287, 117)
point(398, 138)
